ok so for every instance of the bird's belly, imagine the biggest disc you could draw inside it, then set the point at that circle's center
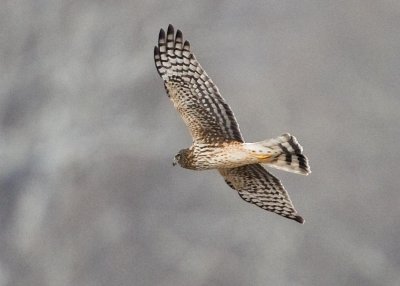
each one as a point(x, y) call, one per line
point(223, 157)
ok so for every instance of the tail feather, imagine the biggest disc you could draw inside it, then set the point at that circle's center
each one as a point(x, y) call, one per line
point(288, 155)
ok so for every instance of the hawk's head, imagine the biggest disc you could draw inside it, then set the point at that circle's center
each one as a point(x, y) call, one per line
point(183, 158)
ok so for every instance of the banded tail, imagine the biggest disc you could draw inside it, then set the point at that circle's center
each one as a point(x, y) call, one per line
point(287, 154)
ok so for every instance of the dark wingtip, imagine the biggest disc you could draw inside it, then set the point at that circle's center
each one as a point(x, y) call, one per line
point(156, 51)
point(299, 219)
point(161, 35)
point(179, 34)
point(186, 45)
point(170, 29)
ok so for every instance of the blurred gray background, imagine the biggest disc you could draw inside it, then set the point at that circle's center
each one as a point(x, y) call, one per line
point(88, 194)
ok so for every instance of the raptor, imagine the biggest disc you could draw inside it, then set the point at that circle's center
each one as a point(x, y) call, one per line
point(217, 140)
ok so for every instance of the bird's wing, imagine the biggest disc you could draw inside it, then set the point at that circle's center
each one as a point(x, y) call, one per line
point(195, 96)
point(257, 186)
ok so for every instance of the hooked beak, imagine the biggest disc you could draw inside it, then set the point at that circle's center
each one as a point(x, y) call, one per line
point(174, 162)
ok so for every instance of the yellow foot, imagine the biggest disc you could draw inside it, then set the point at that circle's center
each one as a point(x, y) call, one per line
point(262, 157)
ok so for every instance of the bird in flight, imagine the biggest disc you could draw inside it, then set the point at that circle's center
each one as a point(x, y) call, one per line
point(217, 141)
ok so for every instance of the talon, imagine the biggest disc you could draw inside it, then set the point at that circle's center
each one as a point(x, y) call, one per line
point(262, 157)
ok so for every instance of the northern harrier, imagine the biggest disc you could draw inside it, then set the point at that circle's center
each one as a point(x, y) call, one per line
point(217, 141)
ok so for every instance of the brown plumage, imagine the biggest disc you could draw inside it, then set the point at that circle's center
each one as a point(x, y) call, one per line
point(217, 140)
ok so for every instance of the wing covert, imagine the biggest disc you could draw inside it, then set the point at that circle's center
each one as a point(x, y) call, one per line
point(195, 96)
